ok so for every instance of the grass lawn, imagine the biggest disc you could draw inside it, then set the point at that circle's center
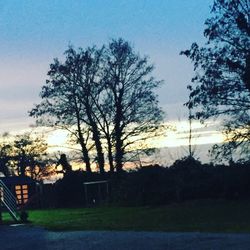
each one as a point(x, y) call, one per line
point(195, 216)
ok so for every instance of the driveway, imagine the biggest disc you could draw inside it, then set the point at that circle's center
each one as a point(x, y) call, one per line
point(33, 238)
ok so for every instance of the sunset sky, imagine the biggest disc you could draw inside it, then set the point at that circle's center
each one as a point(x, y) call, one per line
point(33, 32)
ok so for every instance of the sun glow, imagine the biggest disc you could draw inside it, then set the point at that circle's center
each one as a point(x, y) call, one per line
point(172, 140)
point(179, 136)
point(57, 140)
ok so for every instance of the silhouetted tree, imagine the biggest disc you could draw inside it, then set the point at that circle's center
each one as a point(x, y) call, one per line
point(29, 154)
point(23, 155)
point(132, 104)
point(221, 86)
point(108, 95)
point(68, 97)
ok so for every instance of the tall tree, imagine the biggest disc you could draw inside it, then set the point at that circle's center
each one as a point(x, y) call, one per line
point(68, 97)
point(132, 102)
point(221, 86)
point(109, 92)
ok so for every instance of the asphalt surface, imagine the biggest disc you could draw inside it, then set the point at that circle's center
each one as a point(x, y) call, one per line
point(33, 238)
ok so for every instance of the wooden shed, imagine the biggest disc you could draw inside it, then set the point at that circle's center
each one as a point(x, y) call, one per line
point(25, 189)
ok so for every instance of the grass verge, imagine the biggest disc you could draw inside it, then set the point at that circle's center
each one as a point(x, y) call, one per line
point(195, 216)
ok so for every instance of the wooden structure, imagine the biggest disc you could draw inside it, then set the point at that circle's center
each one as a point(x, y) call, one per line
point(96, 192)
point(8, 200)
point(23, 188)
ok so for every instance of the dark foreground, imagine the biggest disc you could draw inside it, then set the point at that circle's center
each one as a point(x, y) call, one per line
point(27, 237)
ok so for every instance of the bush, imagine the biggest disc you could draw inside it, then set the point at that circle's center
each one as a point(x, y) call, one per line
point(186, 179)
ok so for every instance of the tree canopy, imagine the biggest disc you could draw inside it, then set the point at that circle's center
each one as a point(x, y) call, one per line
point(105, 97)
point(23, 155)
point(221, 85)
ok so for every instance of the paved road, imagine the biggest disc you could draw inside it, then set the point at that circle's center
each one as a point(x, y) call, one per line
point(34, 238)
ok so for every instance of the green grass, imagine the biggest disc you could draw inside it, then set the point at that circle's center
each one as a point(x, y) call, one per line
point(195, 216)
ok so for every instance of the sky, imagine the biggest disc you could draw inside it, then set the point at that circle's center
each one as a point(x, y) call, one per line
point(33, 32)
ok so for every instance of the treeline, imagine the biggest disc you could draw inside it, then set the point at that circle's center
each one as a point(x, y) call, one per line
point(186, 179)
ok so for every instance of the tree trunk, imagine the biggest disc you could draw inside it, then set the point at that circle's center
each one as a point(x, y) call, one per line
point(98, 145)
point(119, 155)
point(85, 152)
point(97, 140)
point(110, 156)
point(86, 159)
point(118, 135)
point(118, 147)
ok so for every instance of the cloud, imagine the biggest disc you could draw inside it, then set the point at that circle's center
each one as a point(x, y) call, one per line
point(15, 125)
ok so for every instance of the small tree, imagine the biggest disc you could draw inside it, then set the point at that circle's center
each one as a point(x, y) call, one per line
point(28, 155)
point(23, 155)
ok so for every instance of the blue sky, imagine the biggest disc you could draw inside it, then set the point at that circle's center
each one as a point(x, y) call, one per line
point(33, 32)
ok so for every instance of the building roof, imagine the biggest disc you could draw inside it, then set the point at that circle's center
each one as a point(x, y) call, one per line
point(17, 180)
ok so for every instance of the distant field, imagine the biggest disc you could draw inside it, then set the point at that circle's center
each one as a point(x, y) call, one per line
point(195, 216)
